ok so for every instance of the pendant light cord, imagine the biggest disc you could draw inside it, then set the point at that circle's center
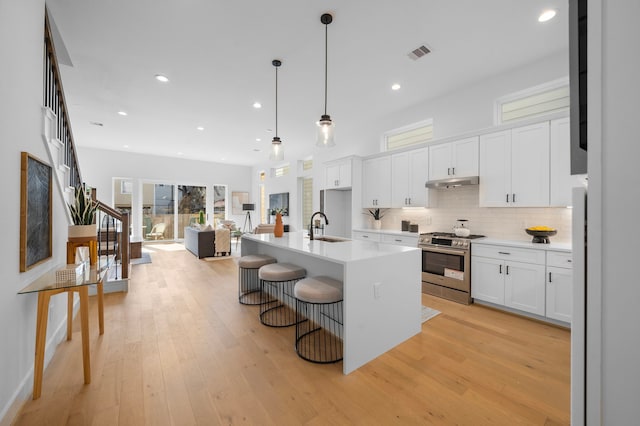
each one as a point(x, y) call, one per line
point(326, 42)
point(276, 101)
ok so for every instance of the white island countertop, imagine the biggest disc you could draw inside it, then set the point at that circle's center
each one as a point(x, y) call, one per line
point(381, 287)
point(341, 252)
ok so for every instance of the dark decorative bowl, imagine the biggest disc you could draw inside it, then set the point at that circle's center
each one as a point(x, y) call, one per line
point(541, 237)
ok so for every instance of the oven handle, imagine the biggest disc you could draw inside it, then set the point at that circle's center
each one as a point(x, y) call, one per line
point(444, 250)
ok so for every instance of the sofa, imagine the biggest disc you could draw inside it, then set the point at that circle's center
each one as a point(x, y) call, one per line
point(202, 242)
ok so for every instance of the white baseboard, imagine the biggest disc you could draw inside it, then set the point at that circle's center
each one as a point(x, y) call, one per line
point(25, 389)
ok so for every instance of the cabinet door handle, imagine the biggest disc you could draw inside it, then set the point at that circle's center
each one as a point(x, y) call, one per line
point(398, 241)
point(409, 200)
point(503, 252)
point(549, 276)
point(448, 171)
point(500, 271)
point(507, 267)
point(365, 236)
point(453, 170)
point(507, 198)
point(513, 198)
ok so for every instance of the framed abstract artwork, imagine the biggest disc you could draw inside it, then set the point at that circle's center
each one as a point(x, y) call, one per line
point(35, 211)
point(237, 200)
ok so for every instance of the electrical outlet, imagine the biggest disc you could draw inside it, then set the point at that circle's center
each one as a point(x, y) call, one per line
point(376, 290)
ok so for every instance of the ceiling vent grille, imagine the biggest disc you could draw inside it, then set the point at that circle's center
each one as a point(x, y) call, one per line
point(419, 52)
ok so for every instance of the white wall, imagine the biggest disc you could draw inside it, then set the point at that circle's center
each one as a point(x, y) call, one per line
point(99, 167)
point(21, 44)
point(467, 109)
point(614, 202)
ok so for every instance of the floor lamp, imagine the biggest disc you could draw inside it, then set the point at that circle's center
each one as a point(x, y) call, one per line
point(248, 208)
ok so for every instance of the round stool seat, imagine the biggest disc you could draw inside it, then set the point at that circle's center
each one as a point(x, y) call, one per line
point(255, 261)
point(281, 272)
point(318, 290)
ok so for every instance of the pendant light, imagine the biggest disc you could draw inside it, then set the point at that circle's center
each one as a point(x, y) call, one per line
point(277, 152)
point(325, 125)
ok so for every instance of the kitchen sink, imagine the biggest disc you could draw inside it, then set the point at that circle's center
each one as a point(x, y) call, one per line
point(330, 239)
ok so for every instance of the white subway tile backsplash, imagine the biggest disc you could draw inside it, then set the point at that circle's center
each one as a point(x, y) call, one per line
point(446, 206)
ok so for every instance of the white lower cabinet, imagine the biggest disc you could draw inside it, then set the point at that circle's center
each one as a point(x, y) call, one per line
point(529, 280)
point(365, 236)
point(559, 286)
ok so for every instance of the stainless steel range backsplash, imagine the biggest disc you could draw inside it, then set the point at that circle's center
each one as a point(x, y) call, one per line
point(462, 203)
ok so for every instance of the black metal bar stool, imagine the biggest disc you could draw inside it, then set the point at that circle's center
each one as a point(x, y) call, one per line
point(277, 303)
point(319, 300)
point(248, 281)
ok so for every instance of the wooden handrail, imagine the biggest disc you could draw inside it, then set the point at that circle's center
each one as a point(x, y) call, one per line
point(124, 219)
point(59, 104)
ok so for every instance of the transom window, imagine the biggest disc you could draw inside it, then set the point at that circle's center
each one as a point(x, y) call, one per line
point(412, 134)
point(535, 101)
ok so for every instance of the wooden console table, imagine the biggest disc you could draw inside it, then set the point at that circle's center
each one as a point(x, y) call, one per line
point(46, 286)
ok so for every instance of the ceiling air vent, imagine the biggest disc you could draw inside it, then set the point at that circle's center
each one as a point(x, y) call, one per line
point(419, 52)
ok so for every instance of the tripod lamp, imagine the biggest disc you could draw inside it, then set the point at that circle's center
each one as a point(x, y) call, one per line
point(248, 208)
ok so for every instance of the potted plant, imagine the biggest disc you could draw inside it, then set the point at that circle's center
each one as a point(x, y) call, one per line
point(377, 215)
point(83, 213)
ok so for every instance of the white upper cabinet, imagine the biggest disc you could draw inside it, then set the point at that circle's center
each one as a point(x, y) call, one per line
point(338, 175)
point(561, 180)
point(454, 159)
point(376, 185)
point(514, 167)
point(409, 173)
point(495, 169)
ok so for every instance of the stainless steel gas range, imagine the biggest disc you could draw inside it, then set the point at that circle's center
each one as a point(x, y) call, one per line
point(446, 265)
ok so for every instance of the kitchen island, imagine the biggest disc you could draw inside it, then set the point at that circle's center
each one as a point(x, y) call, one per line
point(382, 287)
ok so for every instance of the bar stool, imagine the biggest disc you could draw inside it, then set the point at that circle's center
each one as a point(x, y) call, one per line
point(319, 299)
point(248, 281)
point(277, 303)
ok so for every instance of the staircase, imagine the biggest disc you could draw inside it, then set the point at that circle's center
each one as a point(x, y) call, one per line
point(113, 232)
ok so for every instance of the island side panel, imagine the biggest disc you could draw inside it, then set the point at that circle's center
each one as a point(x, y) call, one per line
point(376, 320)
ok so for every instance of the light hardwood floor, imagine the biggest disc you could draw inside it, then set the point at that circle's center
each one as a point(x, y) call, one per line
point(179, 349)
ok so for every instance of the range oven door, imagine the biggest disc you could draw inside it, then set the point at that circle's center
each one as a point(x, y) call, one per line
point(436, 259)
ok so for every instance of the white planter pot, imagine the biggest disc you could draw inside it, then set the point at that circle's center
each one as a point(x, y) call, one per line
point(82, 231)
point(377, 224)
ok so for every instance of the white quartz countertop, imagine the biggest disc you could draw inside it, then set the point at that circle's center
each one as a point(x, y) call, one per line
point(564, 247)
point(390, 232)
point(340, 252)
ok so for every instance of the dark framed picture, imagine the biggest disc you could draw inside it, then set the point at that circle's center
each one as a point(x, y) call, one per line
point(35, 211)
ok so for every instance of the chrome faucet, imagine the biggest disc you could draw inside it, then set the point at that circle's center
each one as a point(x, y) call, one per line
point(326, 222)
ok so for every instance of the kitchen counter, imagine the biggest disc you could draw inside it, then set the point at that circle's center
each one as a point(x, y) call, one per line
point(563, 247)
point(381, 287)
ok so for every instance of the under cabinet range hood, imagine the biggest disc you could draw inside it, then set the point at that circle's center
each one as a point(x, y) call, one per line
point(452, 182)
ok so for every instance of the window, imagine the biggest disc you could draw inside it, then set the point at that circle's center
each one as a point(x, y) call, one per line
point(191, 201)
point(535, 101)
point(219, 202)
point(280, 171)
point(307, 201)
point(409, 135)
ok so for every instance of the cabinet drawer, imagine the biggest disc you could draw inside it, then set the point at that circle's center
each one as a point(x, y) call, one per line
point(509, 253)
point(559, 259)
point(366, 236)
point(400, 240)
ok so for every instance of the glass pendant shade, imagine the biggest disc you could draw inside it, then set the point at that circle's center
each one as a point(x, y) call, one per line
point(277, 152)
point(325, 130)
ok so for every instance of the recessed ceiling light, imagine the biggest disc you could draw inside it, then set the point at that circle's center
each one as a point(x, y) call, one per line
point(395, 86)
point(256, 149)
point(96, 123)
point(258, 139)
point(222, 159)
point(125, 146)
point(547, 15)
point(122, 113)
point(269, 130)
point(200, 128)
point(257, 105)
point(180, 153)
point(162, 78)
